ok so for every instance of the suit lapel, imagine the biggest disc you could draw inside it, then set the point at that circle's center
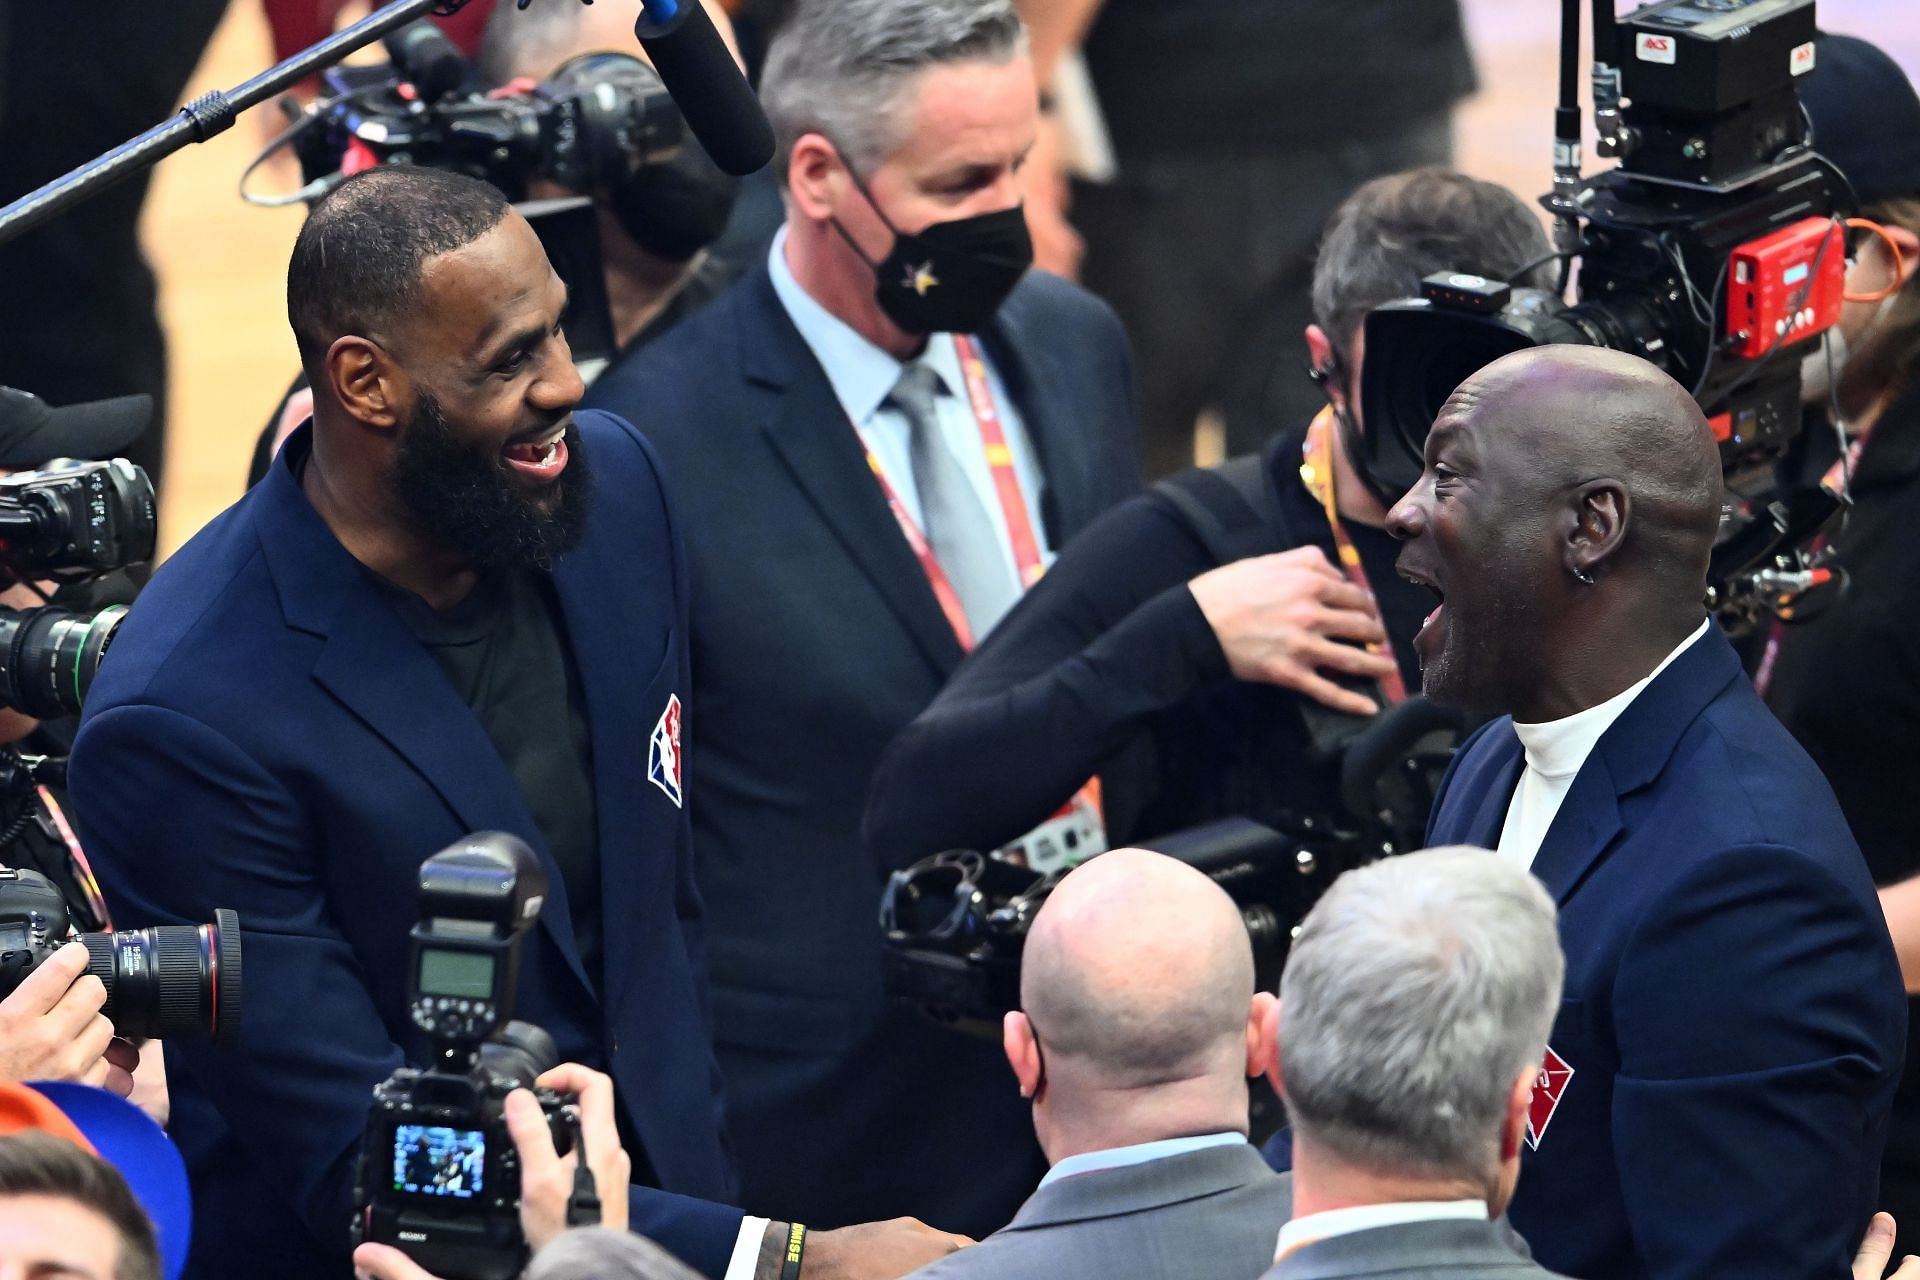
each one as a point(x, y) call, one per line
point(1628, 758)
point(809, 431)
point(599, 620)
point(1035, 380)
point(381, 672)
point(1493, 779)
point(1588, 821)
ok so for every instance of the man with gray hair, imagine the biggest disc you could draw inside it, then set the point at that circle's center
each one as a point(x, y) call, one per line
point(1412, 1020)
point(1138, 1029)
point(876, 441)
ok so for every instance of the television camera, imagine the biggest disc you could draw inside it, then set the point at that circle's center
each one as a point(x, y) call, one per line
point(1716, 249)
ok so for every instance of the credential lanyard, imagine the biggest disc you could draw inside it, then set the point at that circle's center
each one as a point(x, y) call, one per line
point(1006, 486)
point(1316, 472)
point(1077, 830)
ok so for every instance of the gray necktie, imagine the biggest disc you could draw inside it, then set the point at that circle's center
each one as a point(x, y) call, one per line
point(958, 528)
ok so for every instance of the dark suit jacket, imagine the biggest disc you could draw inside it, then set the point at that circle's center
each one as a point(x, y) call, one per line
point(267, 735)
point(1454, 1248)
point(1211, 1214)
point(1733, 1019)
point(816, 638)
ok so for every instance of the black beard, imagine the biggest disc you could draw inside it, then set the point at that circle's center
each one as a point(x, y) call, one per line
point(467, 500)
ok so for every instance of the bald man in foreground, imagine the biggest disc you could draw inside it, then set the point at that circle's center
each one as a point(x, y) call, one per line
point(1714, 1096)
point(1139, 1029)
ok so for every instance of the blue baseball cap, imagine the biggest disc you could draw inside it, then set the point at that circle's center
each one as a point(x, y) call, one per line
point(1866, 117)
point(127, 1138)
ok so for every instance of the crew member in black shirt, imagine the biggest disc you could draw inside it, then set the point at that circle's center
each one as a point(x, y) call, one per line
point(1843, 678)
point(1177, 680)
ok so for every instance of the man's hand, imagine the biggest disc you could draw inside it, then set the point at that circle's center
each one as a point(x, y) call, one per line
point(384, 1262)
point(876, 1250)
point(51, 1027)
point(1876, 1247)
point(148, 1080)
point(546, 1179)
point(1279, 619)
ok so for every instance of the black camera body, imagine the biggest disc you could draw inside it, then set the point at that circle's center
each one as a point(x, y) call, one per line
point(955, 924)
point(70, 522)
point(166, 982)
point(439, 1176)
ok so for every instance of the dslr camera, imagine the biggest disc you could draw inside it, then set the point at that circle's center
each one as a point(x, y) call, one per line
point(171, 981)
point(439, 1176)
point(71, 522)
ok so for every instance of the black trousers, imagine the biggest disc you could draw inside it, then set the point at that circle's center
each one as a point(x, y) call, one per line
point(1208, 258)
point(77, 298)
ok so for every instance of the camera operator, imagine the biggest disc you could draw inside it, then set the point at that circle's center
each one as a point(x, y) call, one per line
point(1177, 679)
point(418, 626)
point(1843, 678)
point(51, 1027)
point(546, 1178)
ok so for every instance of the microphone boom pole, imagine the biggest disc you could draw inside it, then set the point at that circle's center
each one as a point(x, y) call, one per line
point(206, 116)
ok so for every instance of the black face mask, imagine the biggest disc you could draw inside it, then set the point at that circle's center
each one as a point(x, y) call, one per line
point(952, 276)
point(675, 209)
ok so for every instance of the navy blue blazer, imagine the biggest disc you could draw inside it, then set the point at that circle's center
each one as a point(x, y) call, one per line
point(268, 735)
point(1733, 1019)
point(816, 639)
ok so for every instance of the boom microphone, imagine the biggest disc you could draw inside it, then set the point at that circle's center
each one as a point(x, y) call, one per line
point(706, 84)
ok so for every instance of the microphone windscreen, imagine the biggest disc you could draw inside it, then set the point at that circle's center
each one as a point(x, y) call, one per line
point(706, 84)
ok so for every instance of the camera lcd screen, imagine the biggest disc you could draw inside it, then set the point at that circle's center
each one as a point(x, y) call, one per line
point(456, 973)
point(429, 1160)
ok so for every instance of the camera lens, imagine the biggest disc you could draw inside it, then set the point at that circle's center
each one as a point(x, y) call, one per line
point(171, 981)
point(49, 656)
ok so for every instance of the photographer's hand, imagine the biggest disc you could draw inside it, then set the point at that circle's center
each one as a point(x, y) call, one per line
point(546, 1178)
point(51, 1027)
point(1280, 619)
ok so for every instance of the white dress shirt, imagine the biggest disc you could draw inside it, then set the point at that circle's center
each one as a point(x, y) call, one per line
point(1138, 1153)
point(862, 375)
point(1555, 750)
point(1340, 1222)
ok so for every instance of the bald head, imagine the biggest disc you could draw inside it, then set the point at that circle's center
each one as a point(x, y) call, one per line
point(1581, 414)
point(1138, 972)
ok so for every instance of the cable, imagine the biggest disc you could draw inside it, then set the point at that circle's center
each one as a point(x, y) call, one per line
point(1899, 261)
point(1555, 255)
point(307, 119)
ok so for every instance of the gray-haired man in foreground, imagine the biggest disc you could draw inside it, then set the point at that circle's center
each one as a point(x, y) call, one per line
point(1139, 1028)
point(1412, 1020)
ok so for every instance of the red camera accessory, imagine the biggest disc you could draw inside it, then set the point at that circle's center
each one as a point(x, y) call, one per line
point(1785, 287)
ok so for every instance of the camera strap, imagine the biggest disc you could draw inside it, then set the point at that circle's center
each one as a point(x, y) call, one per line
point(1077, 830)
point(1316, 473)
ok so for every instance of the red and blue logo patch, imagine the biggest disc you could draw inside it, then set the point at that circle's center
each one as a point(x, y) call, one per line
point(663, 751)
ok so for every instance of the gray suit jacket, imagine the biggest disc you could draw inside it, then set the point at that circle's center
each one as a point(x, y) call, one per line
point(1455, 1249)
point(1209, 1213)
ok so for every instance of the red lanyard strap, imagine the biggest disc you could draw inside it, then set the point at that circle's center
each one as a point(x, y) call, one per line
point(1316, 472)
point(1006, 485)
